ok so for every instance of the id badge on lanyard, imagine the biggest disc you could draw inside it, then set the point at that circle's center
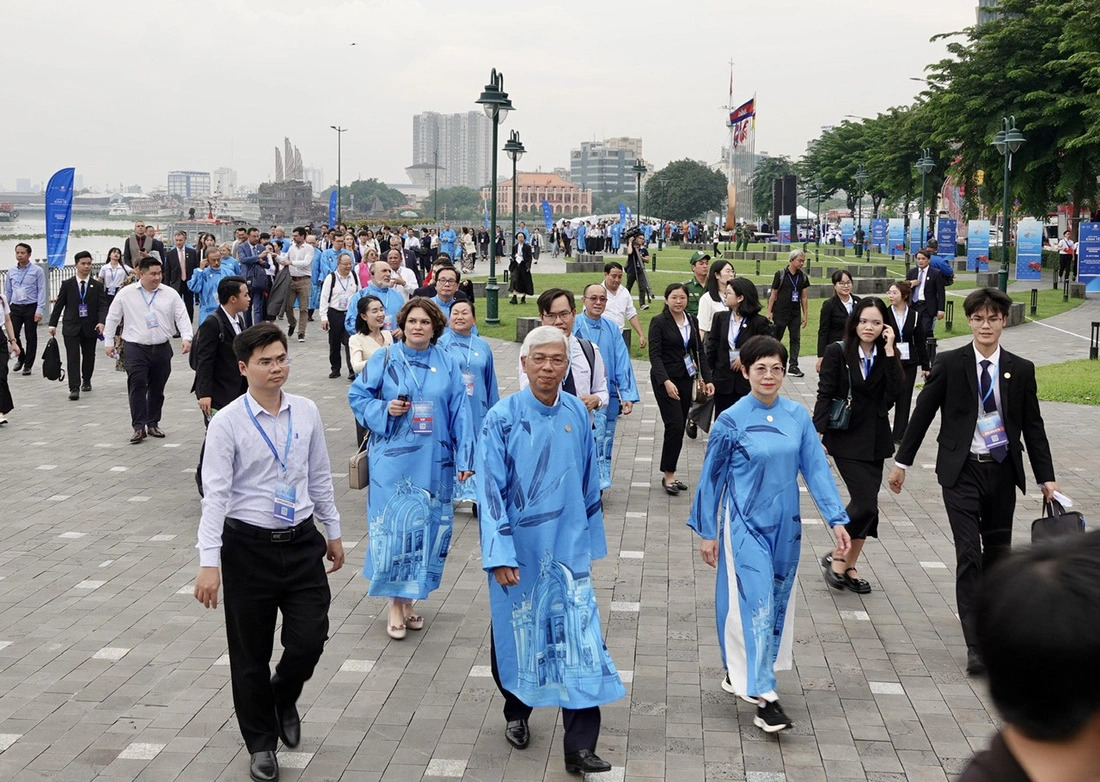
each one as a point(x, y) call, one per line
point(286, 494)
point(992, 430)
point(423, 417)
point(903, 350)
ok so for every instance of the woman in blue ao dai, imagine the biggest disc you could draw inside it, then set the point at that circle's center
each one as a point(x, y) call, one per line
point(412, 399)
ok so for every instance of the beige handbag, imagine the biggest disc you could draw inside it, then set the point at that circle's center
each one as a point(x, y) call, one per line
point(359, 466)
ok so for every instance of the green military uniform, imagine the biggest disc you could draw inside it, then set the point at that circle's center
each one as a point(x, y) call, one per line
point(695, 290)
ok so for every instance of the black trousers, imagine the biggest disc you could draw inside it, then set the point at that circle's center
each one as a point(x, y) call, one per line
point(927, 317)
point(1065, 265)
point(863, 479)
point(674, 415)
point(22, 318)
point(979, 508)
point(188, 301)
point(337, 338)
point(6, 403)
point(568, 243)
point(260, 578)
point(724, 402)
point(792, 322)
point(582, 726)
point(79, 359)
point(147, 370)
point(904, 401)
point(632, 276)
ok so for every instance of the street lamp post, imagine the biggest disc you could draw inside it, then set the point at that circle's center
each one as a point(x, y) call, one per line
point(924, 164)
point(435, 185)
point(638, 168)
point(496, 104)
point(339, 137)
point(819, 186)
point(1007, 141)
point(514, 149)
point(861, 179)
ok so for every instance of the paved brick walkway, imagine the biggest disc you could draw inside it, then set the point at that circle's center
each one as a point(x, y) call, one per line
point(109, 669)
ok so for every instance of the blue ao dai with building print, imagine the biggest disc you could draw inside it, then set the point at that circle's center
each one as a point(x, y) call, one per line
point(539, 508)
point(410, 509)
point(479, 381)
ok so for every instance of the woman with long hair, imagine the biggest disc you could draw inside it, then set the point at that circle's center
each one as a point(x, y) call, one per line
point(912, 347)
point(714, 301)
point(735, 325)
point(412, 398)
point(834, 313)
point(864, 368)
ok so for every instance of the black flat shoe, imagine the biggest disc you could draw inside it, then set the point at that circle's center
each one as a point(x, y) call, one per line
point(857, 585)
point(334, 373)
point(518, 734)
point(691, 429)
point(290, 725)
point(585, 761)
point(264, 766)
point(680, 485)
point(86, 387)
point(832, 578)
point(74, 395)
point(670, 489)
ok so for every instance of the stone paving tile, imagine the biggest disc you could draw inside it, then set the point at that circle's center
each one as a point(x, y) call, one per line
point(110, 670)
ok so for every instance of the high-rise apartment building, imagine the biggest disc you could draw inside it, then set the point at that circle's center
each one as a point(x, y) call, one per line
point(225, 182)
point(451, 150)
point(605, 166)
point(187, 184)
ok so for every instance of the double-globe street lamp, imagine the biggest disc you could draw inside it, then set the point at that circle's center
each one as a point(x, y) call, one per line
point(339, 137)
point(514, 149)
point(1007, 141)
point(639, 168)
point(497, 105)
point(861, 180)
point(924, 164)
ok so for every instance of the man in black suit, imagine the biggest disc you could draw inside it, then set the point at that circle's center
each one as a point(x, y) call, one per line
point(83, 300)
point(157, 244)
point(929, 295)
point(180, 263)
point(987, 400)
point(218, 380)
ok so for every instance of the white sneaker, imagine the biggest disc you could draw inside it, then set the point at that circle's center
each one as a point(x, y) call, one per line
point(728, 687)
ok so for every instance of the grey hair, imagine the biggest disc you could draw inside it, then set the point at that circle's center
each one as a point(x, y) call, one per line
point(543, 335)
point(794, 254)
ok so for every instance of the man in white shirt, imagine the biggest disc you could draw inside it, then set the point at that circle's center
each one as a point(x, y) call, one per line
point(403, 279)
point(266, 483)
point(300, 260)
point(620, 304)
point(151, 314)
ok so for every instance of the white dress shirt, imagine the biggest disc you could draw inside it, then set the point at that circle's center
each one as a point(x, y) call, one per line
point(336, 292)
point(620, 307)
point(133, 303)
point(234, 321)
point(300, 258)
point(977, 444)
point(239, 471)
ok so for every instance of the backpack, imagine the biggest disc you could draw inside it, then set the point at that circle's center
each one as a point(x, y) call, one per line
point(589, 354)
point(51, 361)
point(192, 355)
point(946, 270)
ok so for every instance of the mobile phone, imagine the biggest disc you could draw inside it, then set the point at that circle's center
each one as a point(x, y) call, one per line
point(403, 398)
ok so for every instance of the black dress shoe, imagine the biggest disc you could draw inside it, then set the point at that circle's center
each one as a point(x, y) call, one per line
point(26, 370)
point(264, 766)
point(74, 395)
point(290, 725)
point(154, 431)
point(518, 734)
point(692, 429)
point(334, 373)
point(585, 761)
point(86, 387)
point(138, 436)
point(18, 367)
point(974, 664)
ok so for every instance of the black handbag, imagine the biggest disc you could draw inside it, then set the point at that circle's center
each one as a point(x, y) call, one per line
point(1056, 522)
point(840, 410)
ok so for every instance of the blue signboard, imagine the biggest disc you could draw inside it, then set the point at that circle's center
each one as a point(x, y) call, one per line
point(878, 233)
point(784, 229)
point(59, 212)
point(1029, 250)
point(895, 236)
point(946, 235)
point(847, 231)
point(916, 241)
point(1088, 253)
point(977, 246)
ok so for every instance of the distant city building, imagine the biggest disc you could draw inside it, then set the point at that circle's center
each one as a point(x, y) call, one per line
point(564, 173)
point(186, 184)
point(987, 11)
point(316, 177)
point(23, 186)
point(452, 150)
point(565, 198)
point(287, 202)
point(605, 166)
point(225, 182)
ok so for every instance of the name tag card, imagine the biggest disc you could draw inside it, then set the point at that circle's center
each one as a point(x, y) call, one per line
point(151, 321)
point(285, 498)
point(423, 416)
point(992, 430)
point(689, 363)
point(903, 351)
point(82, 310)
point(468, 381)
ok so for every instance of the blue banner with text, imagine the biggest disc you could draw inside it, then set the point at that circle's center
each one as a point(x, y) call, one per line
point(1029, 250)
point(977, 246)
point(59, 213)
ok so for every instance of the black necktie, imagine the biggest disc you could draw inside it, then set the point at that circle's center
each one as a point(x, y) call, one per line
point(990, 404)
point(568, 384)
point(82, 291)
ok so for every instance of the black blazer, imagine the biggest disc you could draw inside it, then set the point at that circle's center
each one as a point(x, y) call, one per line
point(666, 349)
point(717, 350)
point(216, 372)
point(830, 327)
point(68, 301)
point(915, 337)
point(171, 263)
point(525, 258)
point(952, 390)
point(934, 290)
point(868, 434)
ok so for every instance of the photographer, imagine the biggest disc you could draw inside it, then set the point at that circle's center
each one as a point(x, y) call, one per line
point(636, 260)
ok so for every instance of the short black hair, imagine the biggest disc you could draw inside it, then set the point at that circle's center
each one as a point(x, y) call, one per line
point(301, 231)
point(473, 310)
point(256, 338)
point(229, 287)
point(25, 246)
point(448, 268)
point(760, 346)
point(149, 262)
point(607, 267)
point(81, 255)
point(750, 302)
point(840, 274)
point(987, 298)
point(546, 298)
point(1038, 627)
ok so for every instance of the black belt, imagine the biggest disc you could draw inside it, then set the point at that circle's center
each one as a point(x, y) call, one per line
point(271, 535)
point(984, 458)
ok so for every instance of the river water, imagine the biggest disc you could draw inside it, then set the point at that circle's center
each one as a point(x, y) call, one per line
point(98, 246)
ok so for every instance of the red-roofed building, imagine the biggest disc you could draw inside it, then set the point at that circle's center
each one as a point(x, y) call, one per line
point(565, 198)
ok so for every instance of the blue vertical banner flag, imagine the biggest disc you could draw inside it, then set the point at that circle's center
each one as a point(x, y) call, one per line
point(485, 213)
point(59, 213)
point(947, 231)
point(847, 231)
point(622, 214)
point(1088, 254)
point(878, 233)
point(916, 241)
point(332, 208)
point(629, 215)
point(977, 246)
point(784, 229)
point(1029, 250)
point(548, 215)
point(895, 236)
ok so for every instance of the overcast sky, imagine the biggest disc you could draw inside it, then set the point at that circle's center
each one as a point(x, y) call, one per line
point(127, 90)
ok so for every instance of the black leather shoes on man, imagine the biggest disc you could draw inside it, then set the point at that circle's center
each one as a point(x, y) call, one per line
point(585, 761)
point(138, 436)
point(518, 734)
point(290, 725)
point(264, 766)
point(154, 431)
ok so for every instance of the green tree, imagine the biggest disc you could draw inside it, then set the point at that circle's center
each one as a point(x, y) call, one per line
point(682, 190)
point(364, 192)
point(459, 203)
point(768, 170)
point(608, 203)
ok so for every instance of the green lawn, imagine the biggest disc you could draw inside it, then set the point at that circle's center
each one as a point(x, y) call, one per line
point(1071, 381)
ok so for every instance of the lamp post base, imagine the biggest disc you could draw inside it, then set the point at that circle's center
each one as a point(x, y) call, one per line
point(492, 301)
